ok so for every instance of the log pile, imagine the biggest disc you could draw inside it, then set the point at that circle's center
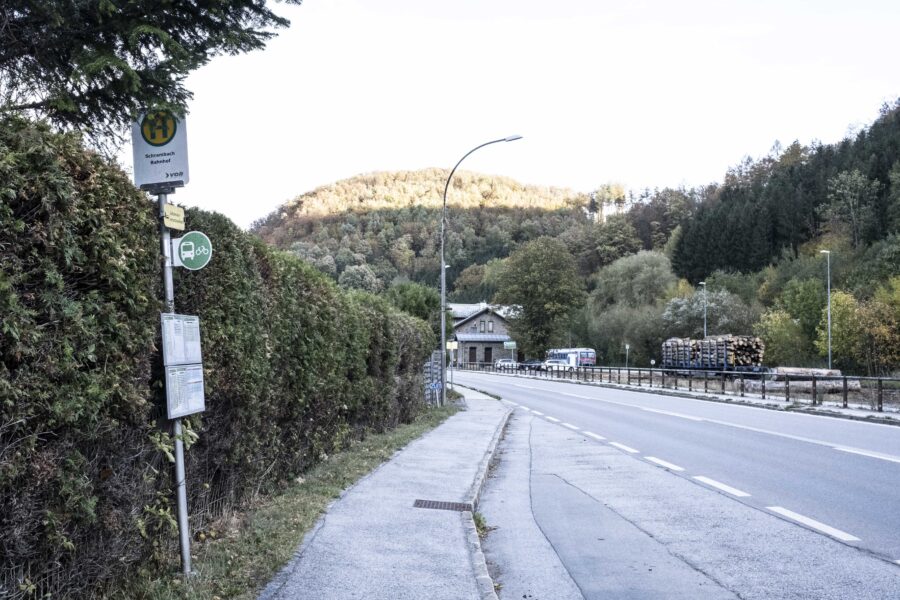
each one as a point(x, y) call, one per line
point(715, 352)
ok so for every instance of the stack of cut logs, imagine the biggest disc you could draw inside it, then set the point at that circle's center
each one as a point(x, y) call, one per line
point(719, 351)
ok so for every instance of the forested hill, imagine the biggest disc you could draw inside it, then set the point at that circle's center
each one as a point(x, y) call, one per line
point(768, 208)
point(386, 225)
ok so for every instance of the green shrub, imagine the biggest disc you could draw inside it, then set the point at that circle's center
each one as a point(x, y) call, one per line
point(294, 368)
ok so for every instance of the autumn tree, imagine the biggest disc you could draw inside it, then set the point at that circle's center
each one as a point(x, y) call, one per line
point(541, 281)
point(851, 205)
point(847, 336)
point(786, 343)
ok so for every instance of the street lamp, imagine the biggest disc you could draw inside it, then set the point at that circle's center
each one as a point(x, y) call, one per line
point(703, 283)
point(827, 254)
point(510, 138)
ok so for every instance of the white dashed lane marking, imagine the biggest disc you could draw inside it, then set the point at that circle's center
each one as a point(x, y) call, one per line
point(663, 463)
point(628, 449)
point(673, 414)
point(555, 420)
point(594, 435)
point(540, 414)
point(570, 426)
point(721, 486)
point(818, 526)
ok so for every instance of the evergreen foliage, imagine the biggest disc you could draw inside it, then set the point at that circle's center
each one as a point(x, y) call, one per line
point(294, 368)
point(93, 65)
point(793, 195)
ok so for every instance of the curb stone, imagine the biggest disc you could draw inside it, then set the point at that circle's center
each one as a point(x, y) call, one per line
point(479, 563)
point(482, 578)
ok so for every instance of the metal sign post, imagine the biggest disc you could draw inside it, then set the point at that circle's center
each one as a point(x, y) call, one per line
point(159, 146)
point(181, 489)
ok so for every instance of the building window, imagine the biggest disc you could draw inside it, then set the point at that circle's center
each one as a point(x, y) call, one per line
point(490, 326)
point(481, 326)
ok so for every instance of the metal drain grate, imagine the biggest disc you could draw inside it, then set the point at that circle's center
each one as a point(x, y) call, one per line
point(439, 505)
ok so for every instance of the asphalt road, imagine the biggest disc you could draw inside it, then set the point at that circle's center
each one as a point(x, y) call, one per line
point(834, 477)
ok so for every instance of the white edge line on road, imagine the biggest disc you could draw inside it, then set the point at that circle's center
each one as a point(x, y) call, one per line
point(886, 457)
point(594, 435)
point(673, 414)
point(513, 403)
point(721, 486)
point(628, 449)
point(663, 463)
point(699, 400)
point(822, 527)
point(570, 426)
point(540, 414)
point(554, 419)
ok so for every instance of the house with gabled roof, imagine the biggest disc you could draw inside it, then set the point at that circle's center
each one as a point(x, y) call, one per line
point(481, 330)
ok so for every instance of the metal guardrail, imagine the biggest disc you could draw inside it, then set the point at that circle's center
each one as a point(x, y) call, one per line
point(873, 393)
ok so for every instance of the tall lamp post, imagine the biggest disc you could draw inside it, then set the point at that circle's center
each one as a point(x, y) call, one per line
point(703, 283)
point(827, 254)
point(627, 348)
point(510, 138)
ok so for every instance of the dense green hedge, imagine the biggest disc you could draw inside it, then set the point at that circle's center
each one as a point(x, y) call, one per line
point(294, 367)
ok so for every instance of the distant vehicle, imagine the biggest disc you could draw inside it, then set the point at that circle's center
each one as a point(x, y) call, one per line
point(532, 364)
point(556, 364)
point(506, 363)
point(574, 357)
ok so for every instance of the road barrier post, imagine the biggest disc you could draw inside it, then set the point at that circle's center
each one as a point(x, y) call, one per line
point(762, 381)
point(880, 396)
point(787, 389)
point(690, 382)
point(663, 382)
point(742, 385)
point(814, 394)
point(844, 391)
point(705, 382)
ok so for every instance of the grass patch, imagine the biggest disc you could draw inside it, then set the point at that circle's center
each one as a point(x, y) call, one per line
point(242, 552)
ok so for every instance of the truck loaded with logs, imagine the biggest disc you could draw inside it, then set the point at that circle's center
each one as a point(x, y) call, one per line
point(714, 353)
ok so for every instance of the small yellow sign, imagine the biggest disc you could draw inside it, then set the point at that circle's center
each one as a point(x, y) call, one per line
point(173, 218)
point(158, 128)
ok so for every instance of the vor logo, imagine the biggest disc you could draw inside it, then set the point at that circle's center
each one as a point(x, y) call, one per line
point(158, 128)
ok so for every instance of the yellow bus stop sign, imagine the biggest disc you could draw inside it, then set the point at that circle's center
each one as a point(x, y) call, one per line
point(158, 128)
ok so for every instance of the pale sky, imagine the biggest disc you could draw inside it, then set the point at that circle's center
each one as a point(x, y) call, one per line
point(648, 93)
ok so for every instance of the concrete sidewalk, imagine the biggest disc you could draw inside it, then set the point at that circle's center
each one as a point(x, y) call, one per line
point(372, 543)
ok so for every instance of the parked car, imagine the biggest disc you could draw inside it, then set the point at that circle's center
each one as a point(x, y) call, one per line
point(532, 364)
point(555, 364)
point(506, 363)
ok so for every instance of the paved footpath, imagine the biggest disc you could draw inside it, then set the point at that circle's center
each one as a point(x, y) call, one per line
point(372, 543)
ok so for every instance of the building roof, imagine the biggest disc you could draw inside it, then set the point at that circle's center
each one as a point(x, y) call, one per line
point(464, 311)
point(483, 337)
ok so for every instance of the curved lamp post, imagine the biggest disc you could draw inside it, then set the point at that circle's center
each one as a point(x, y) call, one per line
point(510, 138)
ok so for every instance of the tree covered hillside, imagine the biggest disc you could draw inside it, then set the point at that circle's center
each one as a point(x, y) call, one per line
point(773, 205)
point(756, 238)
point(372, 230)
